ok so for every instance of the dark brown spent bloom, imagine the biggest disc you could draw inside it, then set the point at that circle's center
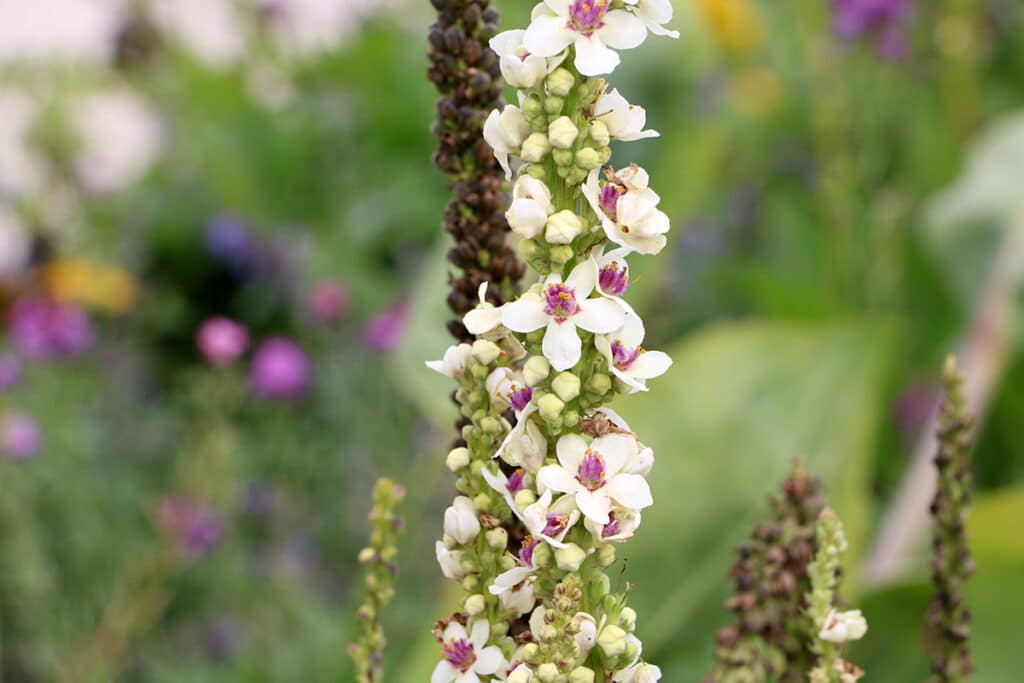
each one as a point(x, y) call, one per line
point(948, 616)
point(468, 78)
point(769, 640)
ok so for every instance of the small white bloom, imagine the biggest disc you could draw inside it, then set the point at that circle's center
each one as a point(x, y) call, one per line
point(586, 24)
point(485, 317)
point(15, 245)
point(461, 521)
point(525, 445)
point(519, 67)
point(639, 672)
point(508, 389)
point(627, 358)
point(562, 132)
point(551, 521)
point(593, 475)
point(505, 131)
point(842, 627)
point(450, 562)
point(67, 31)
point(530, 208)
point(586, 635)
point(22, 169)
point(624, 121)
point(655, 14)
point(563, 227)
point(630, 218)
point(466, 657)
point(621, 526)
point(211, 30)
point(562, 307)
point(507, 487)
point(454, 362)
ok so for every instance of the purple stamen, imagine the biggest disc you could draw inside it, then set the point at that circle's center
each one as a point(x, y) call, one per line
point(608, 200)
point(520, 397)
point(526, 551)
point(613, 279)
point(586, 16)
point(560, 302)
point(459, 654)
point(515, 482)
point(612, 527)
point(556, 524)
point(591, 471)
point(622, 356)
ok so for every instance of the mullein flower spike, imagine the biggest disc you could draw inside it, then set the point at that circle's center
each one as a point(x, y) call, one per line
point(832, 628)
point(550, 479)
point(379, 558)
point(948, 616)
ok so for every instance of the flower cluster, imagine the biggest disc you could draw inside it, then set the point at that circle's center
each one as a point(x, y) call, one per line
point(544, 456)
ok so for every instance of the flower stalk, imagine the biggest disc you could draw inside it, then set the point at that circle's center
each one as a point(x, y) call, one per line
point(951, 566)
point(379, 558)
point(550, 479)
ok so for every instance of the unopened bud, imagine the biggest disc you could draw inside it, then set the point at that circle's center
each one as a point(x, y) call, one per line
point(536, 370)
point(566, 386)
point(547, 672)
point(550, 407)
point(553, 104)
point(599, 133)
point(581, 674)
point(627, 619)
point(588, 158)
point(563, 227)
point(562, 132)
point(535, 148)
point(486, 351)
point(475, 604)
point(497, 538)
point(560, 82)
point(570, 557)
point(612, 640)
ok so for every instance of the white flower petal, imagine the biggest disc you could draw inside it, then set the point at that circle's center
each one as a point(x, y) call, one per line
point(547, 36)
point(562, 345)
point(616, 450)
point(479, 633)
point(594, 505)
point(525, 315)
point(489, 660)
point(583, 279)
point(622, 30)
point(593, 57)
point(555, 478)
point(506, 42)
point(650, 364)
point(600, 316)
point(630, 491)
point(444, 673)
point(570, 450)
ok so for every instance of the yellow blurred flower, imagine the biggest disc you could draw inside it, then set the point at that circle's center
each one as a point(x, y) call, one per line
point(735, 24)
point(756, 91)
point(92, 284)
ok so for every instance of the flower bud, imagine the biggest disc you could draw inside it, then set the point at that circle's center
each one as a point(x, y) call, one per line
point(547, 672)
point(841, 627)
point(570, 557)
point(542, 555)
point(520, 675)
point(457, 458)
point(560, 82)
point(553, 105)
point(497, 538)
point(527, 249)
point(588, 158)
point(537, 171)
point(599, 133)
point(460, 520)
point(482, 502)
point(562, 132)
point(532, 106)
point(600, 383)
point(524, 499)
point(566, 386)
point(563, 227)
point(612, 640)
point(581, 674)
point(560, 254)
point(550, 407)
point(535, 148)
point(486, 351)
point(627, 619)
point(475, 604)
point(530, 652)
point(563, 159)
point(491, 425)
point(536, 370)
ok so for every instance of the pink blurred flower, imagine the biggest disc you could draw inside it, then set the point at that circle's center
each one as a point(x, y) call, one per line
point(20, 436)
point(280, 369)
point(193, 525)
point(44, 328)
point(328, 300)
point(222, 340)
point(384, 331)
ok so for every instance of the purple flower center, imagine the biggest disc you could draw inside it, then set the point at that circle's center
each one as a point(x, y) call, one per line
point(623, 356)
point(556, 524)
point(560, 302)
point(612, 527)
point(515, 482)
point(586, 16)
point(526, 551)
point(459, 654)
point(613, 279)
point(591, 471)
point(608, 200)
point(520, 397)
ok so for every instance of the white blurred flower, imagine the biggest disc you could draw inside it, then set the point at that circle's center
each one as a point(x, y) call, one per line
point(120, 137)
point(15, 245)
point(21, 169)
point(211, 30)
point(68, 31)
point(305, 28)
point(841, 627)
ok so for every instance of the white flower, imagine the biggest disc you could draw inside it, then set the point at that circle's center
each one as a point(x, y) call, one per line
point(633, 177)
point(519, 67)
point(514, 587)
point(508, 487)
point(621, 526)
point(461, 521)
point(627, 358)
point(466, 656)
point(639, 672)
point(450, 562)
point(211, 30)
point(505, 131)
point(525, 445)
point(562, 306)
point(485, 317)
point(508, 389)
point(841, 627)
point(22, 170)
point(593, 475)
point(549, 521)
point(119, 137)
point(520, 674)
point(586, 635)
point(15, 245)
point(69, 31)
point(655, 13)
point(521, 598)
point(586, 24)
point(530, 208)
point(624, 121)
point(454, 362)
point(630, 218)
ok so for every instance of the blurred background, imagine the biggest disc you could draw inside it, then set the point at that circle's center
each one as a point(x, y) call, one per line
point(222, 268)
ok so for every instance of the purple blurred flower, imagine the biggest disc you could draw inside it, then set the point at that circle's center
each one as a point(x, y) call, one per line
point(328, 300)
point(222, 340)
point(230, 241)
point(44, 328)
point(885, 20)
point(222, 638)
point(20, 436)
point(280, 369)
point(10, 370)
point(193, 525)
point(384, 331)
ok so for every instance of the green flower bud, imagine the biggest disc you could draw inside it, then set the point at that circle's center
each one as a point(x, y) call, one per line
point(530, 652)
point(563, 158)
point(528, 248)
point(542, 555)
point(567, 386)
point(482, 501)
point(457, 458)
point(524, 499)
point(475, 604)
point(563, 227)
point(491, 425)
point(562, 132)
point(560, 81)
point(535, 148)
point(631, 653)
point(475, 468)
point(600, 383)
point(536, 370)
point(550, 407)
point(606, 554)
point(606, 154)
point(553, 104)
point(627, 619)
point(520, 675)
point(486, 351)
point(560, 254)
point(588, 158)
point(612, 640)
point(537, 171)
point(570, 418)
point(532, 107)
point(497, 538)
point(599, 133)
point(570, 557)
point(547, 672)
point(581, 674)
